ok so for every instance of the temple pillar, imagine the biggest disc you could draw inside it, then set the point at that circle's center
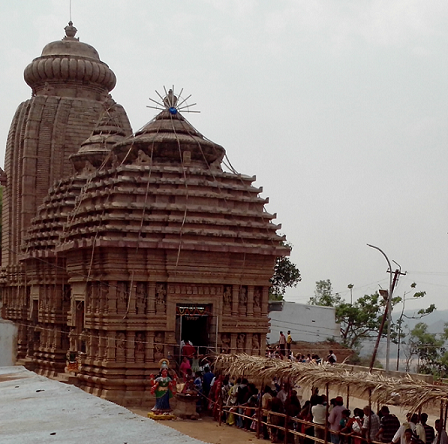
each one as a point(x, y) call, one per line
point(110, 354)
point(264, 301)
point(112, 297)
point(102, 345)
point(56, 337)
point(233, 338)
point(152, 298)
point(130, 352)
point(150, 346)
point(120, 344)
point(249, 343)
point(250, 300)
point(235, 299)
point(132, 293)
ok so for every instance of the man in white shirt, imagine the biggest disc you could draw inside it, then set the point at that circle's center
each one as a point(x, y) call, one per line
point(319, 412)
point(409, 424)
point(283, 393)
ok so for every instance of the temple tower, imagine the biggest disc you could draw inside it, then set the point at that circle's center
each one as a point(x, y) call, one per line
point(70, 91)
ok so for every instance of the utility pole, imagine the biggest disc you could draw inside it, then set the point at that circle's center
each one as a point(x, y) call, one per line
point(388, 311)
point(397, 273)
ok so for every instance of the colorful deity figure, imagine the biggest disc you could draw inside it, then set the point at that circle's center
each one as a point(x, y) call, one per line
point(164, 387)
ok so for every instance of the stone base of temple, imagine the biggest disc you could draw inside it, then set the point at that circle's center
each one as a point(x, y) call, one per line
point(126, 392)
point(45, 365)
point(28, 363)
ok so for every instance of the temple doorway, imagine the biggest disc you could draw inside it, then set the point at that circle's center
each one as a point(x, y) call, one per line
point(193, 322)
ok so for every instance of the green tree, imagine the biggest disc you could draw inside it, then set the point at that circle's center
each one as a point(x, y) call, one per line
point(359, 320)
point(430, 350)
point(397, 330)
point(323, 295)
point(286, 274)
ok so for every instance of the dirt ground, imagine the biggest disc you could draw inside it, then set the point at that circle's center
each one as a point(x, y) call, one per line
point(207, 430)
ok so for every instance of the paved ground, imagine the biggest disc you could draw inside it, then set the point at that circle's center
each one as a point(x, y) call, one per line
point(35, 410)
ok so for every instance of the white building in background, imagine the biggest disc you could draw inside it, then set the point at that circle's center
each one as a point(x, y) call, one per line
point(307, 323)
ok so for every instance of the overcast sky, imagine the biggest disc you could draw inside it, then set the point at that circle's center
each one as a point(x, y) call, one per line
point(338, 107)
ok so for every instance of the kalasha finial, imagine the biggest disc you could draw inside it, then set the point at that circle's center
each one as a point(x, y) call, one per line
point(170, 102)
point(70, 31)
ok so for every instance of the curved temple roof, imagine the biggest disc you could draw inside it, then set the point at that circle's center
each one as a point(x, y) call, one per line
point(68, 60)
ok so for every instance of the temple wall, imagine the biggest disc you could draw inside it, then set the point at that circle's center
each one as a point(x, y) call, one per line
point(8, 343)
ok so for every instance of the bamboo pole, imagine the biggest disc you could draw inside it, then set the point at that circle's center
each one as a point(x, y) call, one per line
point(220, 403)
point(259, 411)
point(370, 416)
point(326, 413)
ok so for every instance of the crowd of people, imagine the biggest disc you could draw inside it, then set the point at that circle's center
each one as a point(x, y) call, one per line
point(238, 402)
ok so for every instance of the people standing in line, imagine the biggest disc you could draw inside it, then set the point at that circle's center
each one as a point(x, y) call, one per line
point(292, 409)
point(232, 402)
point(371, 424)
point(275, 433)
point(306, 415)
point(319, 412)
point(206, 384)
point(314, 395)
point(441, 432)
point(189, 351)
point(282, 343)
point(243, 395)
point(420, 431)
point(389, 424)
point(266, 401)
point(334, 419)
point(407, 436)
point(283, 392)
point(353, 427)
point(410, 423)
point(288, 342)
point(184, 366)
point(343, 439)
point(429, 431)
point(358, 416)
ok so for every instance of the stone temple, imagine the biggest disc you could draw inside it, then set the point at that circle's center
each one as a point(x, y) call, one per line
point(116, 246)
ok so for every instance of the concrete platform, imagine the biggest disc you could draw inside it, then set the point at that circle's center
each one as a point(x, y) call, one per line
point(34, 410)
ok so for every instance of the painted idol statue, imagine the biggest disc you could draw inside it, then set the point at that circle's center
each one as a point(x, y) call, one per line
point(164, 387)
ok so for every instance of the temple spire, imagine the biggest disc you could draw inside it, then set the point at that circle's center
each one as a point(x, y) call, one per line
point(70, 31)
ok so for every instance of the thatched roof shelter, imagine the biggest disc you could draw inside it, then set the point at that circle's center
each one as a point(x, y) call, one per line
point(414, 393)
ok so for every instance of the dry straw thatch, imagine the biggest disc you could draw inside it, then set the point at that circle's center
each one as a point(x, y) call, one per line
point(413, 393)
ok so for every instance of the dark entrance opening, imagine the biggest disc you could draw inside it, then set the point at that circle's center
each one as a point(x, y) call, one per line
point(193, 323)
